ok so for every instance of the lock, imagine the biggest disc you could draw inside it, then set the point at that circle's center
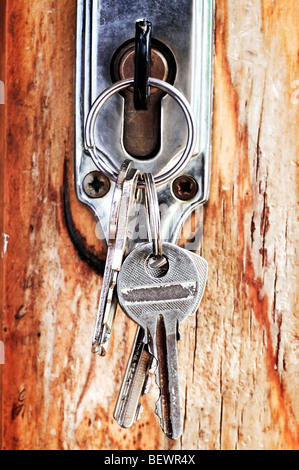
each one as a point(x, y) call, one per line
point(143, 135)
point(142, 127)
point(154, 138)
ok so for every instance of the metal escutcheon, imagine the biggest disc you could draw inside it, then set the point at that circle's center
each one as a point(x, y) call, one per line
point(186, 28)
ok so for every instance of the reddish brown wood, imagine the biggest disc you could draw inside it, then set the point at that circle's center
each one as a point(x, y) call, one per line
point(2, 154)
point(239, 355)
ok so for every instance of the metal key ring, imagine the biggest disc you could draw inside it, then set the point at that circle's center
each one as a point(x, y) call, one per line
point(115, 88)
point(153, 213)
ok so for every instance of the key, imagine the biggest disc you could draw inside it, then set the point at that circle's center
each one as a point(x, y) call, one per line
point(123, 199)
point(158, 299)
point(136, 383)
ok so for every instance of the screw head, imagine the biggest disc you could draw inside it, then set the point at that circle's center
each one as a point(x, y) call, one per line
point(96, 184)
point(185, 187)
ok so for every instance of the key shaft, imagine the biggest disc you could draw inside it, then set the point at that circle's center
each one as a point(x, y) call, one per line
point(158, 302)
point(123, 199)
point(135, 383)
point(168, 407)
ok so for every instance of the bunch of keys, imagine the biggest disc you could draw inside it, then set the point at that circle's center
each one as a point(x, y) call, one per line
point(157, 285)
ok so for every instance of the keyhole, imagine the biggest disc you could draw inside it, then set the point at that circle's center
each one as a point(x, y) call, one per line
point(142, 128)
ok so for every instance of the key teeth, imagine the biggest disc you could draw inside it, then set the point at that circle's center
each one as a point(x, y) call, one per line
point(158, 403)
point(98, 349)
point(159, 409)
point(145, 390)
point(166, 427)
point(147, 385)
point(139, 412)
point(167, 431)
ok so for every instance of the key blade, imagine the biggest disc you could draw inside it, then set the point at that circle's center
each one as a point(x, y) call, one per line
point(106, 315)
point(159, 303)
point(135, 383)
point(168, 406)
point(129, 189)
point(123, 199)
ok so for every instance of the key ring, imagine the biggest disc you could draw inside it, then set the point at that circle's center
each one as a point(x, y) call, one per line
point(152, 206)
point(115, 88)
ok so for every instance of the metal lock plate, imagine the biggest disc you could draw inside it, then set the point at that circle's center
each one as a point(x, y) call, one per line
point(186, 28)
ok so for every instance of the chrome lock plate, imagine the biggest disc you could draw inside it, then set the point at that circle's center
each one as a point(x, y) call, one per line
point(182, 62)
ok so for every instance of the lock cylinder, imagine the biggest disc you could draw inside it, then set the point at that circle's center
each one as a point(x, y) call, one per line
point(142, 127)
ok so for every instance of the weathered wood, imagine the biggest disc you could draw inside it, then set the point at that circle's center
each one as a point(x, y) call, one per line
point(250, 348)
point(239, 355)
point(2, 153)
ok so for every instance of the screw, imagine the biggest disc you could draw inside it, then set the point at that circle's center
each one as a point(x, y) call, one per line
point(96, 184)
point(185, 187)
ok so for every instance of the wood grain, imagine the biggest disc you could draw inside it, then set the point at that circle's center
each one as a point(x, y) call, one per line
point(2, 156)
point(250, 229)
point(239, 355)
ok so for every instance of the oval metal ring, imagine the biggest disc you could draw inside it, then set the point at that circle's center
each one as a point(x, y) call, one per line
point(115, 88)
point(153, 214)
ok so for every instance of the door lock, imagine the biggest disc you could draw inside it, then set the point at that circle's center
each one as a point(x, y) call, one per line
point(181, 44)
point(142, 127)
point(143, 135)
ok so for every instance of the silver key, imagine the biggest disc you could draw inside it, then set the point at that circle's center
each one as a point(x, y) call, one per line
point(123, 198)
point(158, 300)
point(136, 383)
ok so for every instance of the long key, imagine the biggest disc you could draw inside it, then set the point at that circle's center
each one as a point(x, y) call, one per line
point(123, 198)
point(135, 384)
point(158, 300)
point(136, 381)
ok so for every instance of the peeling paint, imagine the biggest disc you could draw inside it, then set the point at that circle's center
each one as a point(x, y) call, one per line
point(5, 244)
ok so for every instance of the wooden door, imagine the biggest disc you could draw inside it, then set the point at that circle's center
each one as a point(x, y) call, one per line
point(239, 355)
